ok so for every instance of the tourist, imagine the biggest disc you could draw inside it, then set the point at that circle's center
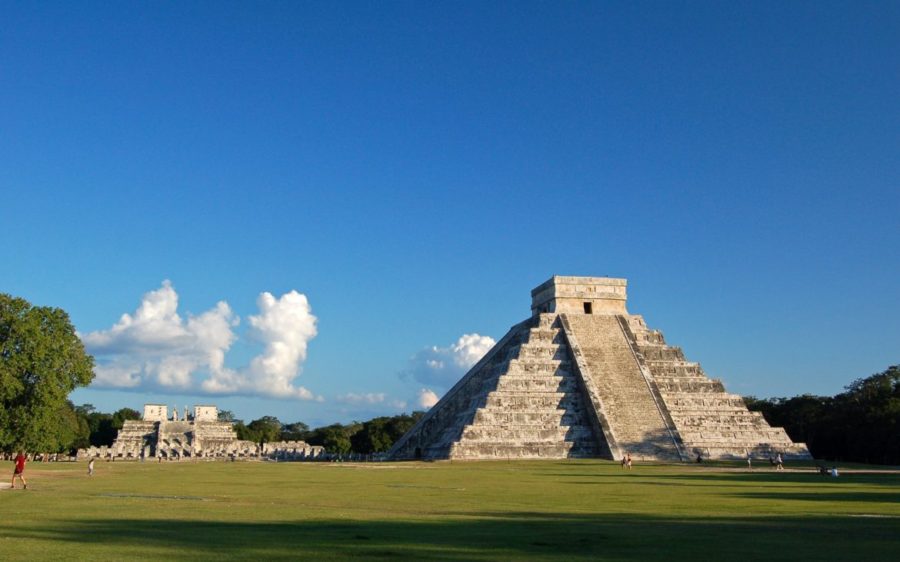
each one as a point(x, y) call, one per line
point(91, 468)
point(19, 471)
point(624, 461)
point(699, 458)
point(834, 472)
point(779, 463)
point(628, 461)
point(749, 461)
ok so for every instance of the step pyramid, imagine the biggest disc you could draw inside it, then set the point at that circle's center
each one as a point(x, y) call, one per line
point(584, 378)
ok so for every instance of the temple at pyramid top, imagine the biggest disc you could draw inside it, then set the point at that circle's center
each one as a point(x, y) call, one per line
point(583, 377)
point(580, 295)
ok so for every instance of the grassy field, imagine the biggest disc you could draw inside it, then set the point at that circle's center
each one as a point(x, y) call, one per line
point(551, 510)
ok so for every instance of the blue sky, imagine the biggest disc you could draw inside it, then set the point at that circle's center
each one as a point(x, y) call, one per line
point(410, 171)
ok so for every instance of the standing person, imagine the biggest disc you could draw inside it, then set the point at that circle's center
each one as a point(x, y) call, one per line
point(749, 460)
point(628, 461)
point(779, 463)
point(91, 468)
point(19, 471)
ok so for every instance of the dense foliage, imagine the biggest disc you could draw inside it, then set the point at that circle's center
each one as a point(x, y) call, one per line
point(861, 424)
point(374, 436)
point(97, 428)
point(42, 360)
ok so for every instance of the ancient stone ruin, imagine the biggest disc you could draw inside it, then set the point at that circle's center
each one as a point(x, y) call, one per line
point(197, 436)
point(584, 378)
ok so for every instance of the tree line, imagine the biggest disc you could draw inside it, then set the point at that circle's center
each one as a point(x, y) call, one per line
point(374, 436)
point(85, 426)
point(861, 424)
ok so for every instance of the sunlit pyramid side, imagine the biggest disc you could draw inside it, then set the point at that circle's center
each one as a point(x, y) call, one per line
point(584, 378)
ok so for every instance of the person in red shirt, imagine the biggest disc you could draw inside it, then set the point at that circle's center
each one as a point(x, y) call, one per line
point(19, 471)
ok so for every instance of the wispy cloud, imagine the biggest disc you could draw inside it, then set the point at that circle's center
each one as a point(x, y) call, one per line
point(367, 398)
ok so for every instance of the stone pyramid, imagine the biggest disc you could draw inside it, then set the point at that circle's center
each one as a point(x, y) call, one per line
point(584, 378)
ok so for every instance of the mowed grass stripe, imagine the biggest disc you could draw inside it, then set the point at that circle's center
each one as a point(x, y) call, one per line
point(542, 510)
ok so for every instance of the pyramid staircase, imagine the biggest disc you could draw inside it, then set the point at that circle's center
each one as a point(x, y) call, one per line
point(710, 421)
point(522, 401)
point(583, 378)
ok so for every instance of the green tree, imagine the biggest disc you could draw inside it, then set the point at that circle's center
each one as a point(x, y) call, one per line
point(267, 428)
point(379, 434)
point(335, 437)
point(226, 416)
point(102, 429)
point(42, 360)
point(296, 431)
point(374, 437)
point(123, 415)
point(245, 433)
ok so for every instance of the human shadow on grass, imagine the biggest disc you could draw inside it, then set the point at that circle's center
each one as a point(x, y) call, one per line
point(496, 535)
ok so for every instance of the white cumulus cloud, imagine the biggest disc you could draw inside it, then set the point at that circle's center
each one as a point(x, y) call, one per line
point(284, 325)
point(156, 348)
point(442, 366)
point(426, 398)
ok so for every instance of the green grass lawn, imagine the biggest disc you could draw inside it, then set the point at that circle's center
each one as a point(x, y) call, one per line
point(550, 510)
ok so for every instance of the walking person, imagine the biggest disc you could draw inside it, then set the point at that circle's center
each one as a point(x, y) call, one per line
point(779, 463)
point(19, 471)
point(91, 468)
point(749, 460)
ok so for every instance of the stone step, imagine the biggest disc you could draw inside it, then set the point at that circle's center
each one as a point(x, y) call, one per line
point(535, 384)
point(718, 417)
point(528, 400)
point(691, 387)
point(660, 369)
point(545, 335)
point(674, 364)
point(719, 396)
point(757, 436)
point(533, 417)
point(559, 374)
point(499, 433)
point(555, 352)
point(547, 321)
point(537, 450)
point(662, 353)
point(534, 366)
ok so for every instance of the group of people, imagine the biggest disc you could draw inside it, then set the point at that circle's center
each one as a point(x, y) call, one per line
point(626, 461)
point(775, 461)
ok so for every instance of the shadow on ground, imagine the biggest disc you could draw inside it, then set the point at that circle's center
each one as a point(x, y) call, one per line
point(501, 536)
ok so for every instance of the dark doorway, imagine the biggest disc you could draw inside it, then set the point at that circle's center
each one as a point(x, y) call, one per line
point(588, 309)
